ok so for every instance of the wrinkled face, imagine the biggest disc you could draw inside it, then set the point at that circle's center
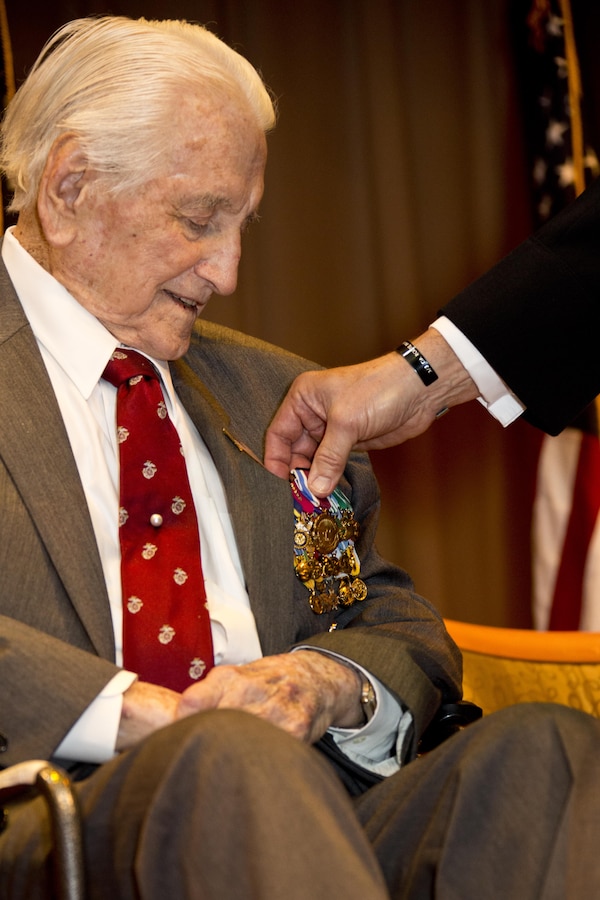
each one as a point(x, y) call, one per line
point(146, 263)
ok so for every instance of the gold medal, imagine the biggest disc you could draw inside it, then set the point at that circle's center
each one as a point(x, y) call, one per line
point(345, 592)
point(359, 589)
point(325, 559)
point(325, 533)
point(323, 603)
point(348, 527)
point(304, 570)
point(300, 538)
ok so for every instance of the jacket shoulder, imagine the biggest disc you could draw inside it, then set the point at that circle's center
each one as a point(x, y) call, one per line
point(223, 355)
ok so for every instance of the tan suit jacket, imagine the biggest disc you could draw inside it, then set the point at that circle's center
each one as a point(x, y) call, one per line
point(56, 639)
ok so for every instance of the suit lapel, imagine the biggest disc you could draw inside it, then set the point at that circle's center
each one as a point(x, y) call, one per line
point(36, 451)
point(46, 476)
point(261, 511)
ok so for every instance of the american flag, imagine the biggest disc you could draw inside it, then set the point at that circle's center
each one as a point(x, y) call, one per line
point(566, 528)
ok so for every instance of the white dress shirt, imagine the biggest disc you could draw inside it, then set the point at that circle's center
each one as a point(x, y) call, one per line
point(75, 348)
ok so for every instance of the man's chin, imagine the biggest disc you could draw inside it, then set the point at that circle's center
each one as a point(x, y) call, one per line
point(163, 348)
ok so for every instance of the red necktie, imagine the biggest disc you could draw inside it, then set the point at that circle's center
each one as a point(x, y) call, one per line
point(166, 626)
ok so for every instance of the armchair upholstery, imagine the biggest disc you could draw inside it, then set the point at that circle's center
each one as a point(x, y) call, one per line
point(503, 666)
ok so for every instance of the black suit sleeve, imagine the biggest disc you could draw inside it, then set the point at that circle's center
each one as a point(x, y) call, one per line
point(534, 316)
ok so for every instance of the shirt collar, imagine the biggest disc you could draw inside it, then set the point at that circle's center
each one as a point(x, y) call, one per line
point(75, 338)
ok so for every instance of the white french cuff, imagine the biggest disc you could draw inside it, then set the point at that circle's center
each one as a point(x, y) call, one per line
point(93, 737)
point(496, 396)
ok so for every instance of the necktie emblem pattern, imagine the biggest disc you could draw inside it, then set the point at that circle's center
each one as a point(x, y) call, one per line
point(166, 627)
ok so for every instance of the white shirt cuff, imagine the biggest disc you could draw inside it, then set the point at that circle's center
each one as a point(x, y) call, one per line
point(495, 395)
point(93, 737)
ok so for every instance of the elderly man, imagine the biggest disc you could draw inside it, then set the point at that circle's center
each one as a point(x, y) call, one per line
point(178, 626)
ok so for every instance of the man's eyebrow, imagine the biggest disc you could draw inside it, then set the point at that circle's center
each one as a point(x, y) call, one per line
point(207, 202)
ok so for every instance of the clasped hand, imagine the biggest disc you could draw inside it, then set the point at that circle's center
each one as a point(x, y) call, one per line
point(304, 693)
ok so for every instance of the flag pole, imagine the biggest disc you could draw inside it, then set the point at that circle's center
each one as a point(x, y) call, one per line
point(575, 95)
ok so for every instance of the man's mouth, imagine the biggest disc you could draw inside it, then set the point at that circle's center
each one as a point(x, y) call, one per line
point(184, 301)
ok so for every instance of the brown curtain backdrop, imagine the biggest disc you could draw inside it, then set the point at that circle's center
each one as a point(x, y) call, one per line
point(396, 175)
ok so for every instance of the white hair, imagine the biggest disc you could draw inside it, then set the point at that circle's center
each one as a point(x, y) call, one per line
point(112, 81)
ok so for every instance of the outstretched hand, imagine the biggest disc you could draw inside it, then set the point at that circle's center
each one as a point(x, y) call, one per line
point(368, 406)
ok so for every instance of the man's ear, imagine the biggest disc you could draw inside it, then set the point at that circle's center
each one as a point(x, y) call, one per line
point(62, 188)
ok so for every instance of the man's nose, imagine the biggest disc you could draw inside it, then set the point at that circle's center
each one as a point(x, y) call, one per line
point(220, 267)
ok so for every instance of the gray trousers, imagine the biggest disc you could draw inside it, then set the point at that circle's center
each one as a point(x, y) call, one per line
point(223, 806)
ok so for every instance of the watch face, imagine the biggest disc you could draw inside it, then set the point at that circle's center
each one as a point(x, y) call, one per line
point(368, 700)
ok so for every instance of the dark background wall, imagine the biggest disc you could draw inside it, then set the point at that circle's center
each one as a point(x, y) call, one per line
point(398, 172)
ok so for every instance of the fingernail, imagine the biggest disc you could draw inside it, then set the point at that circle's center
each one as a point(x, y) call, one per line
point(320, 486)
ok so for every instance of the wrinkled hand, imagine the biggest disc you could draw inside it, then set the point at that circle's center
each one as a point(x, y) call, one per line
point(304, 693)
point(369, 406)
point(146, 707)
point(327, 414)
